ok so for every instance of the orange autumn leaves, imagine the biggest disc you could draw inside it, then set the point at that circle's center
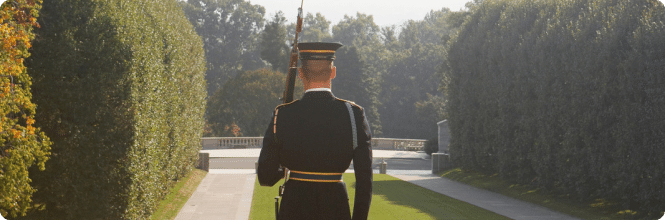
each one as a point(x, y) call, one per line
point(17, 20)
point(21, 144)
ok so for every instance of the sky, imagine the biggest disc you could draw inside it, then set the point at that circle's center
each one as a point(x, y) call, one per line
point(385, 12)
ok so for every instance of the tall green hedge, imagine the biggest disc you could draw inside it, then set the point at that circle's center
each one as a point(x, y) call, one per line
point(120, 88)
point(565, 94)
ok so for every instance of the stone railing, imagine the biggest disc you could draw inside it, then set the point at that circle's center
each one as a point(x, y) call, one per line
point(398, 144)
point(210, 143)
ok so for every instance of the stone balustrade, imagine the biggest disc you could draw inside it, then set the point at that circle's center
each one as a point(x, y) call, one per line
point(210, 143)
point(398, 144)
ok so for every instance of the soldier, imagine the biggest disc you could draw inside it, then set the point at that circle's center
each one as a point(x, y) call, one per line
point(316, 138)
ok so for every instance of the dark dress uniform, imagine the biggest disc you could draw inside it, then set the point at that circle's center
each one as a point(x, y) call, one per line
point(314, 135)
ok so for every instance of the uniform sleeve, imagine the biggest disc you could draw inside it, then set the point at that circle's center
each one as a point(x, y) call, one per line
point(362, 164)
point(268, 171)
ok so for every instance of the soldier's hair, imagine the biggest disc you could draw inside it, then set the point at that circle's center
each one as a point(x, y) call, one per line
point(317, 70)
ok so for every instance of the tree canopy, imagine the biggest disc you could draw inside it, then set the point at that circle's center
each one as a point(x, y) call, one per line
point(247, 101)
point(274, 49)
point(22, 145)
point(230, 30)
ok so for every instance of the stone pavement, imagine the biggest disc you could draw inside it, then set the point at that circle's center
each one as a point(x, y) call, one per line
point(220, 196)
point(494, 202)
point(227, 193)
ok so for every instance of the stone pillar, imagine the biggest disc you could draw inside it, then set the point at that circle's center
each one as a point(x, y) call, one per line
point(204, 162)
point(444, 136)
point(383, 168)
point(441, 159)
point(440, 162)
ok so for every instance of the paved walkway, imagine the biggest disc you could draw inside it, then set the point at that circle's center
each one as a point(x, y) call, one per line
point(227, 193)
point(220, 196)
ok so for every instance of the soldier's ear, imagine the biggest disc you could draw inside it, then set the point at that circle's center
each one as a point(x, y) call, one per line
point(333, 74)
point(300, 75)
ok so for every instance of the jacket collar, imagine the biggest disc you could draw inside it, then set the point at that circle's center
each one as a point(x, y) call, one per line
point(318, 95)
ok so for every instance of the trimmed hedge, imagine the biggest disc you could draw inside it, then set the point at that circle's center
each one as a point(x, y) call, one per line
point(565, 94)
point(120, 88)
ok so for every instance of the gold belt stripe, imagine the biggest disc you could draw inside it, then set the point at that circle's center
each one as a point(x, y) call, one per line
point(316, 173)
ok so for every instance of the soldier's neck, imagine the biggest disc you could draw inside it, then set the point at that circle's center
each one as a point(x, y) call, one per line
point(313, 85)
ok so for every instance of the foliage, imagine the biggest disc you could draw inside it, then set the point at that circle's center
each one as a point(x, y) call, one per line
point(230, 30)
point(316, 28)
point(412, 104)
point(566, 95)
point(273, 44)
point(121, 90)
point(247, 101)
point(354, 83)
point(362, 33)
point(432, 146)
point(21, 144)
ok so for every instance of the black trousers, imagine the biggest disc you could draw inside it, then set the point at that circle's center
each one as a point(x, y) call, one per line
point(309, 200)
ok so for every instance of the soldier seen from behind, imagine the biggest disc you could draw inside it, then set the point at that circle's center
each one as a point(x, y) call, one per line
point(316, 138)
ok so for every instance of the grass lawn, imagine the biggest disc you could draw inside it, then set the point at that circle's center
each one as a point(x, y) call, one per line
point(170, 206)
point(596, 209)
point(392, 199)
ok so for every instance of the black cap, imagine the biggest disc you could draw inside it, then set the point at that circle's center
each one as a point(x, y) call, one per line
point(318, 50)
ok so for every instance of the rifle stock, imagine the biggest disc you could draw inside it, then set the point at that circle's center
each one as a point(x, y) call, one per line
point(290, 84)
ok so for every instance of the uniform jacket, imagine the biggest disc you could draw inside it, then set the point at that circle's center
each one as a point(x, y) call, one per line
point(314, 134)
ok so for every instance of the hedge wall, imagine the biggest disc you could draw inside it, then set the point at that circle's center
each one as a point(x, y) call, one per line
point(120, 88)
point(565, 94)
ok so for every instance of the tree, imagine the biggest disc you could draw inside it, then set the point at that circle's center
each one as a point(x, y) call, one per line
point(273, 43)
point(411, 79)
point(316, 28)
point(363, 34)
point(354, 83)
point(247, 101)
point(358, 31)
point(230, 31)
point(21, 144)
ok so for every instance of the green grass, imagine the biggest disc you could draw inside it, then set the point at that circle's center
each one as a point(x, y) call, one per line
point(392, 199)
point(594, 209)
point(174, 201)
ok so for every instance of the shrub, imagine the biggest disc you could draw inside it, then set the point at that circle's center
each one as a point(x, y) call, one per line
point(120, 85)
point(567, 95)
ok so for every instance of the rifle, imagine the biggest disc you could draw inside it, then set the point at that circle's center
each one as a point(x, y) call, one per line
point(293, 61)
point(288, 91)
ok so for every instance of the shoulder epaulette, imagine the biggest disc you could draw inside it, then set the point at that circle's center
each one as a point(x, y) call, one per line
point(350, 102)
point(274, 123)
point(285, 104)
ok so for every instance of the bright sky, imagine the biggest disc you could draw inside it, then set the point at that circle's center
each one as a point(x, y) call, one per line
point(385, 12)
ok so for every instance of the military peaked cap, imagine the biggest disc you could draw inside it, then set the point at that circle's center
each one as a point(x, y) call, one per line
point(318, 50)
